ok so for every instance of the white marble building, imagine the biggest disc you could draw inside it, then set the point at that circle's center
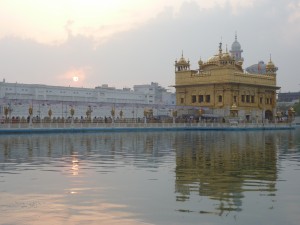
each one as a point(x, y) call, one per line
point(19, 97)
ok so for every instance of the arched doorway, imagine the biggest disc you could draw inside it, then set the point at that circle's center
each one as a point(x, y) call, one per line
point(269, 115)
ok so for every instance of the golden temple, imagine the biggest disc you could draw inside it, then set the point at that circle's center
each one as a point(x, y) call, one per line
point(220, 85)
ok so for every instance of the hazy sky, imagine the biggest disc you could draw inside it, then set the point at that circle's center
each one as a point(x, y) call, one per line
point(127, 42)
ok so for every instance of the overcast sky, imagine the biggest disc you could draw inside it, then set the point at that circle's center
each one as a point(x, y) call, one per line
point(126, 42)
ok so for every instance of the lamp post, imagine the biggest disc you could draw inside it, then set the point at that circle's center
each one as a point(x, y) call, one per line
point(174, 114)
point(39, 113)
point(50, 115)
point(9, 113)
point(201, 111)
point(291, 114)
point(145, 115)
point(132, 115)
point(278, 116)
point(72, 111)
point(30, 111)
point(89, 114)
point(121, 114)
point(112, 112)
point(5, 113)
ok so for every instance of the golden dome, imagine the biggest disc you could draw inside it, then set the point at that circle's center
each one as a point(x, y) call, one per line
point(182, 64)
point(226, 57)
point(270, 65)
point(182, 61)
point(213, 59)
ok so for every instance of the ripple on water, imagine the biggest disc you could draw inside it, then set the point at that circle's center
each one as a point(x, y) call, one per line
point(178, 177)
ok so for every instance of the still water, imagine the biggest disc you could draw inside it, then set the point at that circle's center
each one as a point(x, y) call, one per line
point(205, 177)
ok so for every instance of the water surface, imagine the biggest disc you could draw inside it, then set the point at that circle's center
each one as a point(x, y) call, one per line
point(205, 177)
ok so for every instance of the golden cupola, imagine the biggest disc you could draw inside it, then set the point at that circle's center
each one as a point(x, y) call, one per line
point(226, 57)
point(200, 62)
point(270, 67)
point(182, 64)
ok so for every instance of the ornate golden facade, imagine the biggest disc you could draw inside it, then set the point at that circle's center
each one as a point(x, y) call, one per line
point(220, 86)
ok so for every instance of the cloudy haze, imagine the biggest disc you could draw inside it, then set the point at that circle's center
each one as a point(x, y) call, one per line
point(127, 42)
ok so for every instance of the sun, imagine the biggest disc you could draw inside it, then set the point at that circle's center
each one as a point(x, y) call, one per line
point(75, 78)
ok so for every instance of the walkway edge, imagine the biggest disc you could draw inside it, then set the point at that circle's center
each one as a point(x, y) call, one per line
point(4, 131)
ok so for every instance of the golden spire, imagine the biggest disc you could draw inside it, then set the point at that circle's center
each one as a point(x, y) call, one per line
point(270, 67)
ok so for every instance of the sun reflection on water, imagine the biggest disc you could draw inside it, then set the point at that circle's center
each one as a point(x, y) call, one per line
point(54, 209)
point(75, 165)
point(161, 178)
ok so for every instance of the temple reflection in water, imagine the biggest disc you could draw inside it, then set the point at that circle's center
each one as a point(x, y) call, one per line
point(222, 166)
point(219, 166)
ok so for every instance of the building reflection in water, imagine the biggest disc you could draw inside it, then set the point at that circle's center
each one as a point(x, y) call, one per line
point(144, 148)
point(224, 165)
point(75, 157)
point(220, 166)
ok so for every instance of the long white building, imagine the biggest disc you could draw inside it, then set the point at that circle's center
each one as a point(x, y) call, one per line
point(19, 97)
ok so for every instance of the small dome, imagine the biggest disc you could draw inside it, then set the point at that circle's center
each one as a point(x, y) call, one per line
point(270, 65)
point(226, 57)
point(200, 62)
point(213, 59)
point(182, 61)
point(182, 64)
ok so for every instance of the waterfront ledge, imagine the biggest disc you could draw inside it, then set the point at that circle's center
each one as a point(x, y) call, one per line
point(131, 127)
